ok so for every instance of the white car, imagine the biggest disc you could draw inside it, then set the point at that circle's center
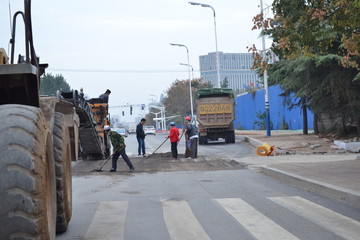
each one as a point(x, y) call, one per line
point(149, 130)
point(132, 128)
point(122, 131)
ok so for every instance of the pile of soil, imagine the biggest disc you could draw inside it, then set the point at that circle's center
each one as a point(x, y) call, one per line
point(160, 162)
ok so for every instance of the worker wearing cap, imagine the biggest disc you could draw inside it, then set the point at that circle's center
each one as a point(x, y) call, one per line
point(174, 139)
point(118, 143)
point(191, 136)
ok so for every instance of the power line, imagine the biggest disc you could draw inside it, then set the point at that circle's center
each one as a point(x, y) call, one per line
point(114, 71)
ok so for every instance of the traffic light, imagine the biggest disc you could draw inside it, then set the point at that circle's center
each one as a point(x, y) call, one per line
point(130, 110)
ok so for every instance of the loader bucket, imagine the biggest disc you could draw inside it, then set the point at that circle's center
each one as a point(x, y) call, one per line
point(19, 84)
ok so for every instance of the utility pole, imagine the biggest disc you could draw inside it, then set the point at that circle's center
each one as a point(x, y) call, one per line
point(266, 87)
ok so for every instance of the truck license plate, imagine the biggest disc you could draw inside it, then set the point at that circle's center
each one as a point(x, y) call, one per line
point(215, 108)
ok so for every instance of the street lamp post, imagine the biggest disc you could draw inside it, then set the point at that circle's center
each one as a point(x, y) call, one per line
point(266, 87)
point(217, 53)
point(192, 69)
point(190, 89)
point(157, 121)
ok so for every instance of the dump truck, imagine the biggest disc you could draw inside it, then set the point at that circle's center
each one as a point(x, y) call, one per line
point(38, 141)
point(215, 114)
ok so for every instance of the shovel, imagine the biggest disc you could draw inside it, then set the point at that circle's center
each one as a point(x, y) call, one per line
point(157, 148)
point(187, 150)
point(100, 169)
point(181, 136)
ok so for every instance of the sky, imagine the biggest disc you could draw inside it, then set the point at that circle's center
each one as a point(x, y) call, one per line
point(125, 46)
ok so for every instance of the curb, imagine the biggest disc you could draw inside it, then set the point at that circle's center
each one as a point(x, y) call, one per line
point(341, 194)
point(254, 142)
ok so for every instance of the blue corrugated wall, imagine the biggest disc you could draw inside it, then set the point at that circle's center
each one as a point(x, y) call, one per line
point(248, 105)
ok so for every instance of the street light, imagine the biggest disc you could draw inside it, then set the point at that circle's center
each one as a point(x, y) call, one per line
point(217, 53)
point(187, 51)
point(267, 107)
point(192, 69)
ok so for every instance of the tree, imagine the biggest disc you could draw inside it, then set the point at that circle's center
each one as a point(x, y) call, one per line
point(318, 45)
point(150, 116)
point(49, 84)
point(177, 101)
point(225, 83)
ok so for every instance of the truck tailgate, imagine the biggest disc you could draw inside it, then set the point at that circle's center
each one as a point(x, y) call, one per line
point(215, 112)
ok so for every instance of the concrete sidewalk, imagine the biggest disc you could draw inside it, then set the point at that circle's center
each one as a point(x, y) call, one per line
point(333, 175)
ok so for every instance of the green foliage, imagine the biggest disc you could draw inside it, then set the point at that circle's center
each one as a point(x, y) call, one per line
point(284, 125)
point(324, 84)
point(151, 115)
point(49, 84)
point(260, 124)
point(225, 83)
point(312, 28)
point(318, 44)
point(239, 127)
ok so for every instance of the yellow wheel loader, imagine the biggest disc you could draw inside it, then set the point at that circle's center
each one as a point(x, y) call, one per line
point(38, 141)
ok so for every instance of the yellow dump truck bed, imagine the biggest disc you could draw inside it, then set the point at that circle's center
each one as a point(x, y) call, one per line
point(215, 111)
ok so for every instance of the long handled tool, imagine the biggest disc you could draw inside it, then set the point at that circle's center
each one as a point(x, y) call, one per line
point(181, 136)
point(157, 148)
point(100, 169)
point(187, 151)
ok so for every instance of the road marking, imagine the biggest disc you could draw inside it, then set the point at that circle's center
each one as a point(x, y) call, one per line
point(341, 225)
point(181, 222)
point(260, 226)
point(108, 222)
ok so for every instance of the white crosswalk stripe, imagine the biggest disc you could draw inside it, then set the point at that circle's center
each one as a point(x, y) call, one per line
point(108, 222)
point(260, 226)
point(181, 222)
point(339, 224)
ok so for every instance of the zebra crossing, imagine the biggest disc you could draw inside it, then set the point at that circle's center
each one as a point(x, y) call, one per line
point(182, 224)
point(255, 222)
point(108, 222)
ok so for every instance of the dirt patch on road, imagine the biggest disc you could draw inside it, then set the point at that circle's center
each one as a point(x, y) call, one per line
point(300, 144)
point(295, 143)
point(161, 162)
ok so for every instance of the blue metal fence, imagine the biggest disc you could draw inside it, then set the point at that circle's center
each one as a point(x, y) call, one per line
point(249, 105)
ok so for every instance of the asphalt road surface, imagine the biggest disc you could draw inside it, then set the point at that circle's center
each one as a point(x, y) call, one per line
point(212, 197)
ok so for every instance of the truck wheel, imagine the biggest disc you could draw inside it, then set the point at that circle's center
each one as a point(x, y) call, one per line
point(27, 176)
point(62, 157)
point(230, 137)
point(205, 140)
point(227, 137)
point(201, 140)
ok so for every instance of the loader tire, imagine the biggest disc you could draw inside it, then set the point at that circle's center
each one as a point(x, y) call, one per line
point(27, 175)
point(62, 157)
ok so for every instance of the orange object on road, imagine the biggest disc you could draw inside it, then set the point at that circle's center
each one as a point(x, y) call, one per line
point(263, 150)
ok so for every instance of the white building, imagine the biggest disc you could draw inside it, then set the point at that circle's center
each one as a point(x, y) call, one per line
point(235, 67)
